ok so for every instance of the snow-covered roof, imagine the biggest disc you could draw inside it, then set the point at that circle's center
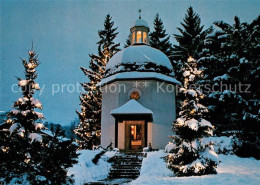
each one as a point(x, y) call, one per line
point(140, 22)
point(137, 75)
point(139, 58)
point(131, 107)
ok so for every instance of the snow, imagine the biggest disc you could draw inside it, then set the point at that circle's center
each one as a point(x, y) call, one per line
point(170, 146)
point(31, 65)
point(48, 132)
point(153, 166)
point(210, 154)
point(36, 86)
point(38, 126)
point(243, 60)
point(21, 132)
point(39, 114)
point(138, 55)
point(192, 92)
point(23, 100)
point(131, 107)
point(15, 111)
point(138, 75)
point(23, 83)
point(14, 127)
point(24, 113)
point(193, 124)
point(197, 165)
point(195, 144)
point(223, 77)
point(223, 36)
point(222, 145)
point(86, 171)
point(186, 73)
point(36, 103)
point(35, 137)
point(205, 123)
point(146, 149)
point(232, 170)
point(180, 121)
point(191, 77)
point(140, 22)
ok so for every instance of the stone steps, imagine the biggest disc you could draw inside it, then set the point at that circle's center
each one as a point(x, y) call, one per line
point(126, 166)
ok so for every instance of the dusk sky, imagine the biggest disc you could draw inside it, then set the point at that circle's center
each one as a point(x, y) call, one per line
point(64, 33)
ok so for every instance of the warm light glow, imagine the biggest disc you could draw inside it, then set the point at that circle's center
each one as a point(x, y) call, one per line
point(190, 59)
point(133, 41)
point(144, 37)
point(139, 37)
point(132, 130)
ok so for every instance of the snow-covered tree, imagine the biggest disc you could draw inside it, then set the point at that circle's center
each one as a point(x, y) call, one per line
point(27, 154)
point(159, 38)
point(231, 63)
point(89, 129)
point(23, 126)
point(190, 40)
point(192, 155)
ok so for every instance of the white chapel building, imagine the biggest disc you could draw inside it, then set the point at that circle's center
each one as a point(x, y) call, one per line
point(138, 95)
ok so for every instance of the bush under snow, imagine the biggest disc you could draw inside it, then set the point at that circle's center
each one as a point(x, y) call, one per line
point(86, 171)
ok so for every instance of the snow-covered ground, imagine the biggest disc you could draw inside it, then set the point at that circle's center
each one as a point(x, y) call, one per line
point(232, 170)
point(86, 171)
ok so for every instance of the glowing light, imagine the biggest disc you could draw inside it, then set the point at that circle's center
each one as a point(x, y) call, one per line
point(190, 59)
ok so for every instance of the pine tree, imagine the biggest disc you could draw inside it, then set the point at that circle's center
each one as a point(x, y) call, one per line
point(127, 42)
point(230, 60)
point(22, 129)
point(56, 158)
point(27, 153)
point(190, 40)
point(89, 129)
point(192, 155)
point(159, 38)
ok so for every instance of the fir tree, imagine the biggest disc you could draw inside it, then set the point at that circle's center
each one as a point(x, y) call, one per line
point(22, 129)
point(27, 154)
point(159, 38)
point(56, 158)
point(192, 155)
point(128, 42)
point(89, 129)
point(230, 60)
point(190, 40)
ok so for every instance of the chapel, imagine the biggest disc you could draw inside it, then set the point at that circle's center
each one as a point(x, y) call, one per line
point(138, 95)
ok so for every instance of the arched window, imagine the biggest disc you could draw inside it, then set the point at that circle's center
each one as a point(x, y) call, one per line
point(133, 41)
point(144, 37)
point(139, 37)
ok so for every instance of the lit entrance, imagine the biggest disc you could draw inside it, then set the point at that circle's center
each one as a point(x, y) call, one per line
point(131, 125)
point(135, 135)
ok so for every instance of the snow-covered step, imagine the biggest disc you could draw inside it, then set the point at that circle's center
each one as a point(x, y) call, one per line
point(126, 165)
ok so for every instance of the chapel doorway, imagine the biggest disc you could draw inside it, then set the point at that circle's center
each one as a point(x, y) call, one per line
point(135, 135)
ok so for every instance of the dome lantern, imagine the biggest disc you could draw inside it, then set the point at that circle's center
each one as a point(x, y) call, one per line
point(139, 31)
